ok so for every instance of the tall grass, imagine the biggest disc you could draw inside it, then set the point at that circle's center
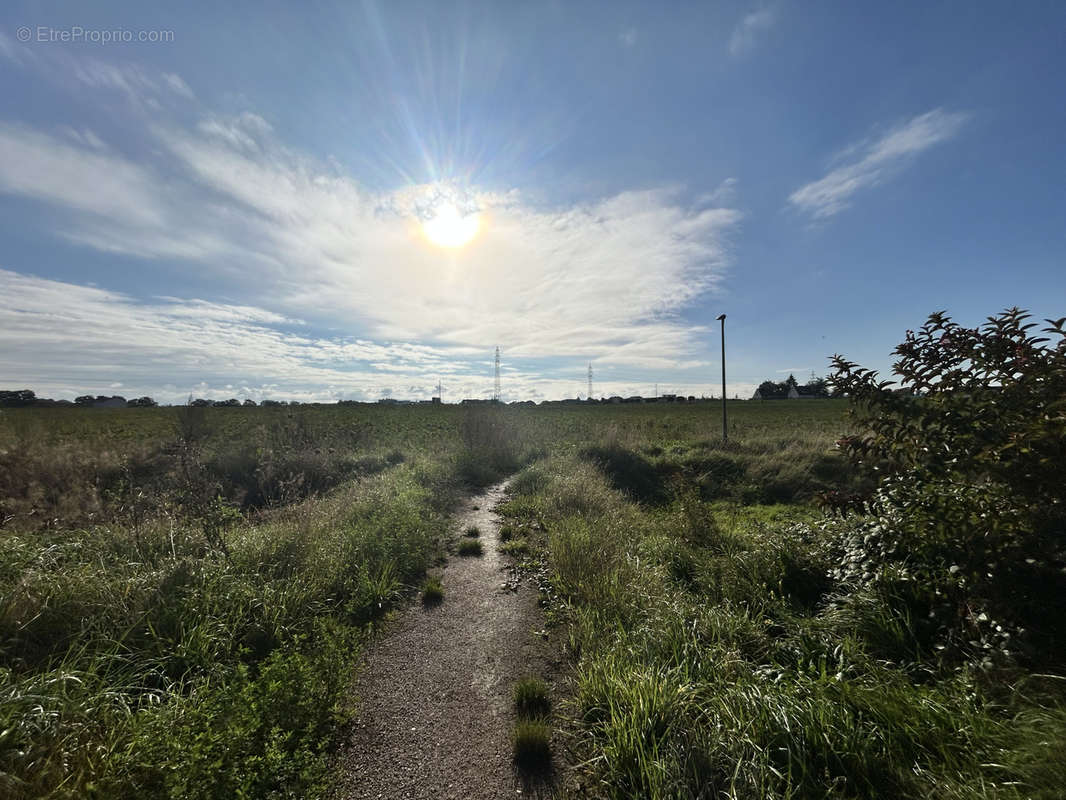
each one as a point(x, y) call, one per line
point(716, 656)
point(182, 594)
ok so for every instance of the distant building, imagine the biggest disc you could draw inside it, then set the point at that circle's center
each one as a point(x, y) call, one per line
point(795, 395)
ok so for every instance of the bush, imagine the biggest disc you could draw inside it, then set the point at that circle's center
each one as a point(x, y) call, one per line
point(970, 508)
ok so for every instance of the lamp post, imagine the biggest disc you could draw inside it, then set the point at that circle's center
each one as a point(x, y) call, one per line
point(725, 433)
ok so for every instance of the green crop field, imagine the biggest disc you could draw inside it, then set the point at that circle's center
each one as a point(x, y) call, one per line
point(184, 592)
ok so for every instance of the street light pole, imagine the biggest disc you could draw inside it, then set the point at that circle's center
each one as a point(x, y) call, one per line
point(725, 433)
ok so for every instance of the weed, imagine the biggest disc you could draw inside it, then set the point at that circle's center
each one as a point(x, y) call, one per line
point(473, 532)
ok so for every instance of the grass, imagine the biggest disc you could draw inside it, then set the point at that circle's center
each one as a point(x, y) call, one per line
point(531, 746)
point(470, 547)
point(473, 532)
point(532, 698)
point(715, 654)
point(516, 547)
point(182, 601)
point(432, 591)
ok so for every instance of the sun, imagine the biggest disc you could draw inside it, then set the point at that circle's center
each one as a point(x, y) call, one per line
point(448, 227)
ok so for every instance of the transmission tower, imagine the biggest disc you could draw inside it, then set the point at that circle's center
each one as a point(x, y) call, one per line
point(496, 384)
point(590, 381)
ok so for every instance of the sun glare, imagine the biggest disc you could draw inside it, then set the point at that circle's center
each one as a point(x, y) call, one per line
point(449, 228)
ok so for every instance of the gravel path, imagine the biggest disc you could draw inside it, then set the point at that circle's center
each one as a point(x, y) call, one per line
point(434, 711)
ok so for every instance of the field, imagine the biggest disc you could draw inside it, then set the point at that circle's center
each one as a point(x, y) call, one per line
point(183, 595)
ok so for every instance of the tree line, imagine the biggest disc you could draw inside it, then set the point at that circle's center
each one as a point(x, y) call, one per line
point(815, 387)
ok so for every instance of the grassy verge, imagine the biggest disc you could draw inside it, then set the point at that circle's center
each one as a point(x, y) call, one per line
point(714, 655)
point(152, 664)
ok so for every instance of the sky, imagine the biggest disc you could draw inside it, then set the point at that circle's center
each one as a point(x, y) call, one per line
point(239, 199)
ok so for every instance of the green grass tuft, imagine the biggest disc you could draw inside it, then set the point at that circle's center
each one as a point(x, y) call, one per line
point(515, 547)
point(473, 532)
point(432, 591)
point(531, 698)
point(470, 547)
point(531, 745)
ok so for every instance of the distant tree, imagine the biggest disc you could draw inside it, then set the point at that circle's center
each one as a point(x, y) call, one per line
point(250, 403)
point(769, 389)
point(85, 400)
point(231, 402)
point(816, 387)
point(199, 402)
point(17, 397)
point(142, 402)
point(271, 403)
point(790, 383)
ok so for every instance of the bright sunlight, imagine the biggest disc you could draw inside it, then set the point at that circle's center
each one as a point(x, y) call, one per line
point(450, 228)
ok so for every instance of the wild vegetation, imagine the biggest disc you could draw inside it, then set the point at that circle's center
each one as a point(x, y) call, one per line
point(829, 604)
point(726, 647)
point(183, 591)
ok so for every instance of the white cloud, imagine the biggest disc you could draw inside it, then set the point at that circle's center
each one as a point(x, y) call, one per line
point(178, 86)
point(65, 339)
point(603, 279)
point(869, 163)
point(606, 279)
point(748, 30)
point(724, 194)
point(628, 37)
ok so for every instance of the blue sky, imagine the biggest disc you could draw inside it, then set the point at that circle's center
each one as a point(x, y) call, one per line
point(235, 206)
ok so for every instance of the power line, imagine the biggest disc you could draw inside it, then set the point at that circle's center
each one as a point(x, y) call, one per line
point(496, 384)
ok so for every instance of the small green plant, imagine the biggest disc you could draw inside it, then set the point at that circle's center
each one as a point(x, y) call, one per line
point(507, 533)
point(515, 547)
point(432, 591)
point(531, 698)
point(473, 532)
point(470, 547)
point(531, 745)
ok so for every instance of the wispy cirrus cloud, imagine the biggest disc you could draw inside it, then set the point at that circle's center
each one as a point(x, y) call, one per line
point(870, 163)
point(748, 30)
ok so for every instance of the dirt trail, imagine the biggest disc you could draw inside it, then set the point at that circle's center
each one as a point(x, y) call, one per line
point(434, 711)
